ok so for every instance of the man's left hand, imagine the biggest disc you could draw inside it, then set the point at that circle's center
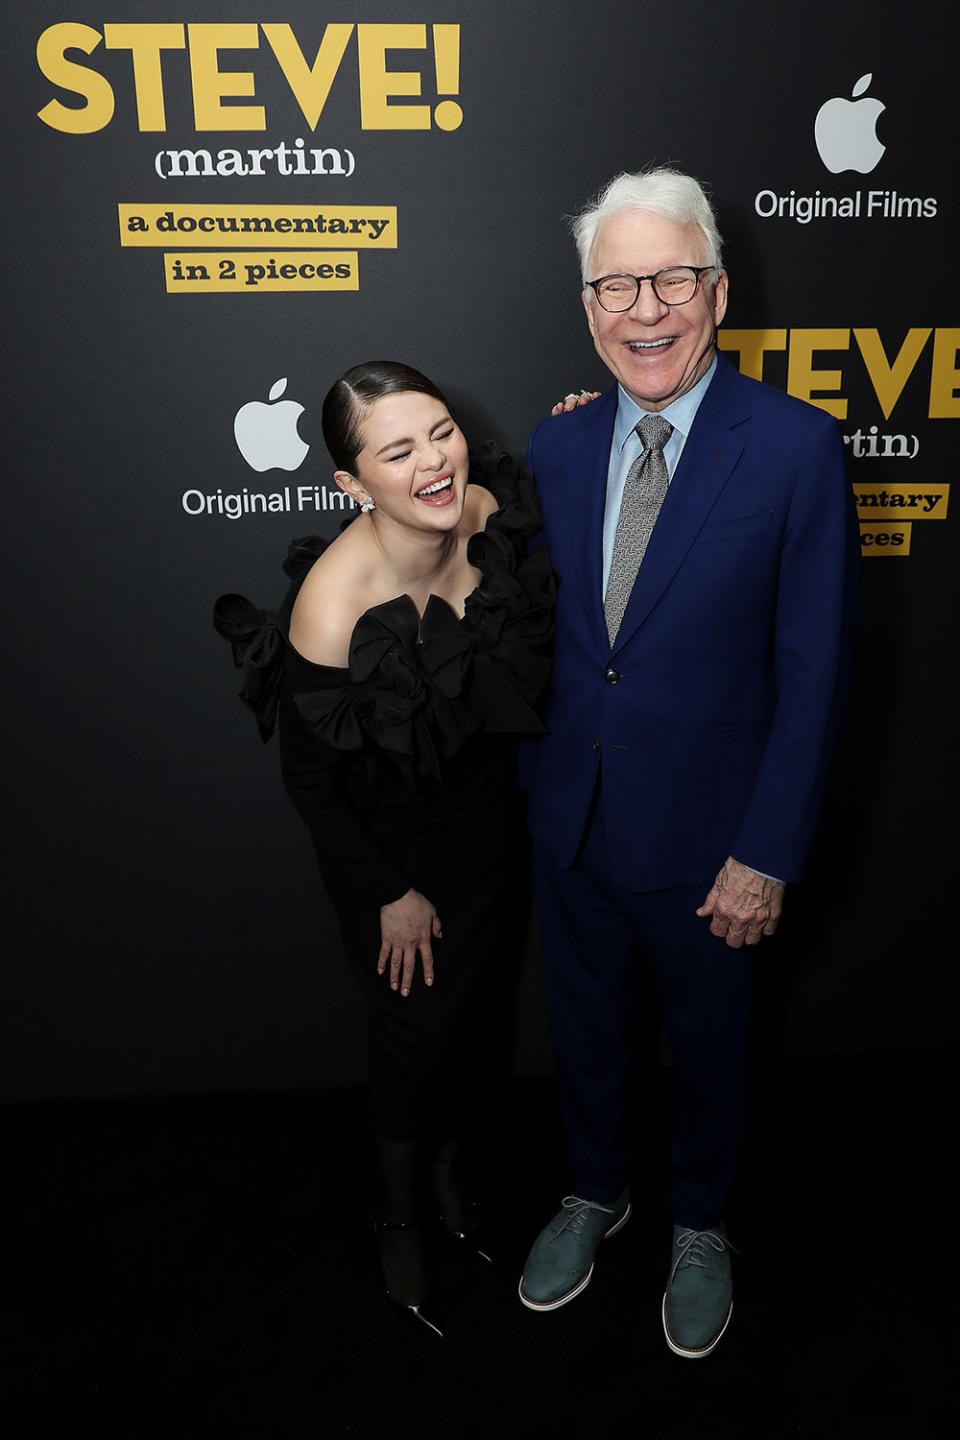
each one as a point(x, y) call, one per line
point(743, 904)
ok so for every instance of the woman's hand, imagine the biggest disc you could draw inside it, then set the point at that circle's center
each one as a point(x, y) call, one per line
point(571, 401)
point(406, 926)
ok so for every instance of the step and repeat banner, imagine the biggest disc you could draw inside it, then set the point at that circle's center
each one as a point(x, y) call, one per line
point(211, 209)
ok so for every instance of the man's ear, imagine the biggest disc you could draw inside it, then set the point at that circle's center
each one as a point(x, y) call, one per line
point(586, 295)
point(720, 297)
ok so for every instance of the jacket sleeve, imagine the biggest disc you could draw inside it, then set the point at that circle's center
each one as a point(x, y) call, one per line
point(814, 623)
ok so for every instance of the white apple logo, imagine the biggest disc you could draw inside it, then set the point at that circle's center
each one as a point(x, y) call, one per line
point(845, 131)
point(267, 434)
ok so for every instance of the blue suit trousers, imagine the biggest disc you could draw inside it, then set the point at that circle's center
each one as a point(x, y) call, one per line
point(595, 934)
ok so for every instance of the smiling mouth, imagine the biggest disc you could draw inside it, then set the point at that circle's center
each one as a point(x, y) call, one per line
point(642, 345)
point(435, 489)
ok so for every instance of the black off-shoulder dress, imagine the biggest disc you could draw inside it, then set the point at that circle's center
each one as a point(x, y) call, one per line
point(401, 764)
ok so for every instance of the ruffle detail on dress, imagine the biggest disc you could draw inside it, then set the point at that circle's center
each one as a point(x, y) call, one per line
point(301, 555)
point(257, 645)
point(511, 611)
point(257, 640)
point(399, 694)
point(425, 700)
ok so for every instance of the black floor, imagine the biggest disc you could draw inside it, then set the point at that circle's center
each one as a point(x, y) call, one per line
point(203, 1268)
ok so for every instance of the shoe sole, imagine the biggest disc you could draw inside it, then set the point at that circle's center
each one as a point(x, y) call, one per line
point(543, 1305)
point(703, 1350)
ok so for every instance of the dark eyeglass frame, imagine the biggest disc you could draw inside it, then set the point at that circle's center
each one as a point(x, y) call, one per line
point(638, 280)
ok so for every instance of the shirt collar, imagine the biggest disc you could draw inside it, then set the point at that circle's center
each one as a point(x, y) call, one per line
point(679, 412)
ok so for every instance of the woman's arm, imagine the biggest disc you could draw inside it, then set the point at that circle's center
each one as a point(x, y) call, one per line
point(351, 860)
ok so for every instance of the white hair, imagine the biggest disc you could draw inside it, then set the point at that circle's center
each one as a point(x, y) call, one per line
point(663, 191)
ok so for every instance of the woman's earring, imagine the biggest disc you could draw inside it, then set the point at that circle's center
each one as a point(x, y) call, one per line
point(368, 504)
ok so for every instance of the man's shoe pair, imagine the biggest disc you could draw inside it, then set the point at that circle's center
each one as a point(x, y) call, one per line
point(561, 1262)
point(698, 1301)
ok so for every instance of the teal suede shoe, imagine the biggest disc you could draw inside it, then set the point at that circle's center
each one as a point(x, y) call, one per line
point(698, 1301)
point(561, 1262)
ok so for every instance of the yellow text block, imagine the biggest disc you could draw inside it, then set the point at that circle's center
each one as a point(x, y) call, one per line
point(370, 227)
point(885, 539)
point(922, 501)
point(244, 272)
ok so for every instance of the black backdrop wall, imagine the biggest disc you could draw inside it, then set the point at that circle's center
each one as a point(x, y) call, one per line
point(165, 929)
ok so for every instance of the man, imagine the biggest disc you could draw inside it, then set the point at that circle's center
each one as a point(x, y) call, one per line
point(704, 532)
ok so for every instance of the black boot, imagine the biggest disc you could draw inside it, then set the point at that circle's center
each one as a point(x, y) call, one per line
point(458, 1213)
point(398, 1231)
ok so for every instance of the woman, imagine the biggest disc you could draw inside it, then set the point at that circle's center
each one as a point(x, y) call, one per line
point(408, 651)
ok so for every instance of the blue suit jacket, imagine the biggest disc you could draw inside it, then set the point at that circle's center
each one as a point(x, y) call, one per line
point(734, 653)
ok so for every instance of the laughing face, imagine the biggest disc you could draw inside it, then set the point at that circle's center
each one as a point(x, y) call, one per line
point(656, 351)
point(413, 464)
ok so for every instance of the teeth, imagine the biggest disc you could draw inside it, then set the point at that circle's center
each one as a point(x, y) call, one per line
point(649, 344)
point(437, 485)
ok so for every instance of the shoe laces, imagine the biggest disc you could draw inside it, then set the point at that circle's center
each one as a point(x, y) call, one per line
point(699, 1247)
point(577, 1213)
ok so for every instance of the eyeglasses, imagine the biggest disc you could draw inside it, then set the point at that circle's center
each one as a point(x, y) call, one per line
point(676, 285)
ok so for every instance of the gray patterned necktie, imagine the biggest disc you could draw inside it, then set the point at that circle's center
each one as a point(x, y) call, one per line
point(644, 491)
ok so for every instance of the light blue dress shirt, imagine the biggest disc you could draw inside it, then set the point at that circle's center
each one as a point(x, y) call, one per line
point(627, 445)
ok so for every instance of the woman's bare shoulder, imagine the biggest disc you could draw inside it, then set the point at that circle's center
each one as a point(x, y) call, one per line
point(479, 505)
point(328, 606)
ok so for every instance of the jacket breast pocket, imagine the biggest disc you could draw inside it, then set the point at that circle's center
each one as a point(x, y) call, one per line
point(736, 526)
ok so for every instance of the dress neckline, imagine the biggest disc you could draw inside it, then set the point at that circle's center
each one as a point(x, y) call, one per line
point(387, 610)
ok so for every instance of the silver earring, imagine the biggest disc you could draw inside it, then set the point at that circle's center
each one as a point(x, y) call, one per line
point(368, 505)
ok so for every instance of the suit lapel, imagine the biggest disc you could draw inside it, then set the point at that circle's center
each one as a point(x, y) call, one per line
point(708, 460)
point(587, 477)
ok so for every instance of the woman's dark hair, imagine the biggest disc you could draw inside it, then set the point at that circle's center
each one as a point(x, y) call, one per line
point(348, 400)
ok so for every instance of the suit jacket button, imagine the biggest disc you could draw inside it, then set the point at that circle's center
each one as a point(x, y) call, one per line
point(596, 743)
point(611, 676)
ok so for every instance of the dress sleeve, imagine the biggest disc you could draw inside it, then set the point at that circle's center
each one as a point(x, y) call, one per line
point(352, 861)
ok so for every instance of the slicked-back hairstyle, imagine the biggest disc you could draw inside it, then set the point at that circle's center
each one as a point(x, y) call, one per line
point(663, 191)
point(349, 399)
